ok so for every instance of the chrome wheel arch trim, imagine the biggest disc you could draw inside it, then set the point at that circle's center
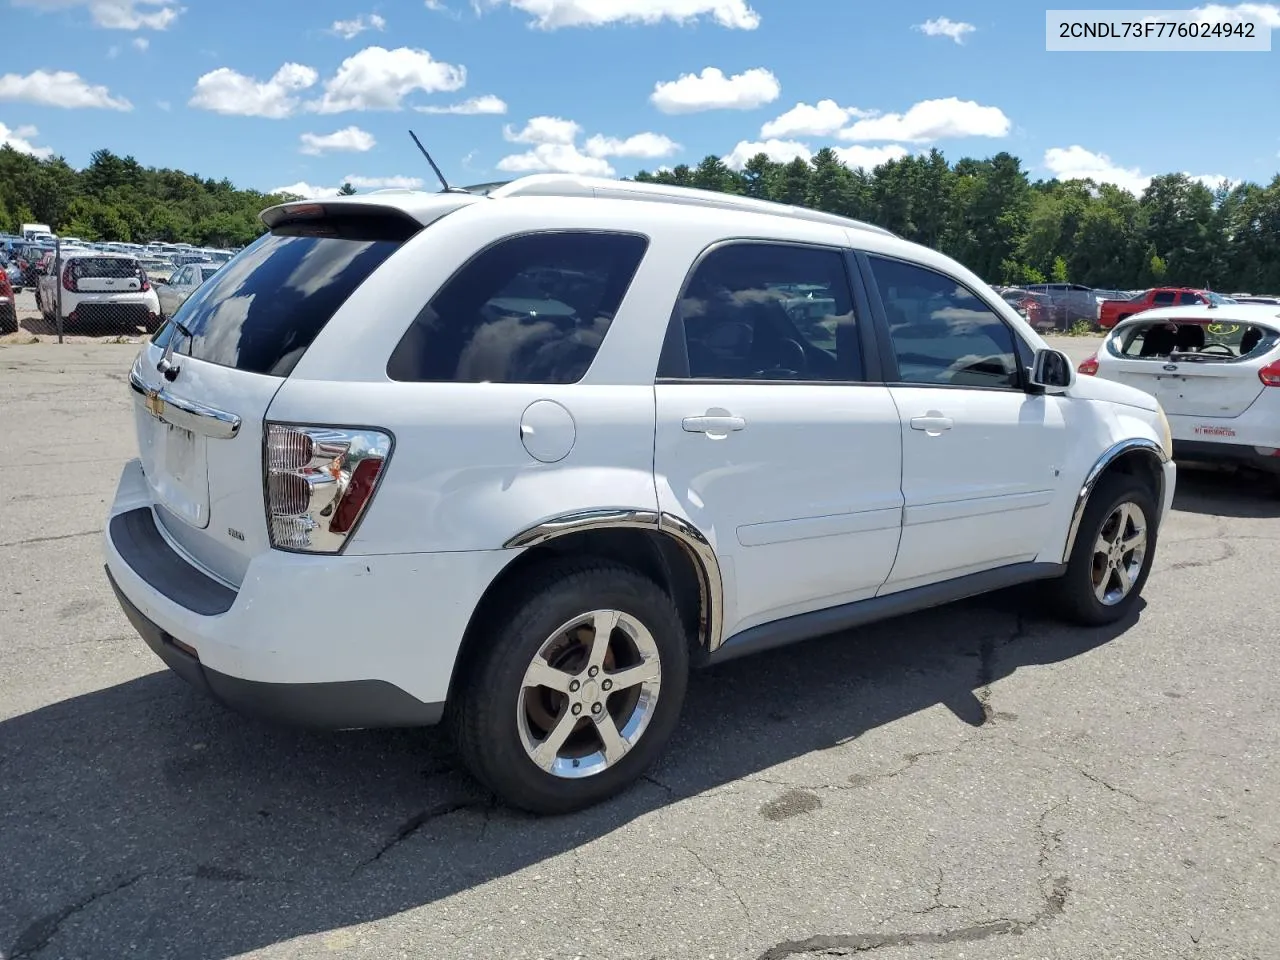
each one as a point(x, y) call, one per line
point(685, 534)
point(1126, 447)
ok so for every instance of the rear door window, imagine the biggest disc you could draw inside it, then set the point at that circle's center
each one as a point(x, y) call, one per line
point(261, 312)
point(1163, 297)
point(534, 308)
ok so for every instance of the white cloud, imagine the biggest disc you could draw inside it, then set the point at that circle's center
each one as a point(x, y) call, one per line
point(945, 27)
point(307, 191)
point(141, 43)
point(347, 140)
point(1268, 13)
point(712, 90)
point(1077, 163)
point(486, 104)
point(226, 91)
point(933, 120)
point(116, 14)
point(869, 158)
point(20, 140)
point(779, 151)
point(556, 158)
point(379, 79)
point(646, 145)
point(346, 29)
point(554, 14)
point(59, 89)
point(384, 183)
point(544, 130)
point(819, 120)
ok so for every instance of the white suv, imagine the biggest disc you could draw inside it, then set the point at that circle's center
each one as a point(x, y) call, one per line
point(517, 461)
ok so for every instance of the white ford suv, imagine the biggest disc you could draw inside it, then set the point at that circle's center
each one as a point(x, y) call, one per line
point(518, 461)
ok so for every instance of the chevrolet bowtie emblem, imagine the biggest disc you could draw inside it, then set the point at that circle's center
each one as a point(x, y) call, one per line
point(155, 403)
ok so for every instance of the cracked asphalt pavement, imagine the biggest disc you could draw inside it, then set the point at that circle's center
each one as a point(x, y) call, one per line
point(976, 781)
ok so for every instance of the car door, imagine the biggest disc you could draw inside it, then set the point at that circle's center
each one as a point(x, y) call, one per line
point(167, 293)
point(980, 454)
point(775, 437)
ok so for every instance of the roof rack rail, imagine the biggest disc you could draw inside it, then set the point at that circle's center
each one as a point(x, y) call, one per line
point(572, 185)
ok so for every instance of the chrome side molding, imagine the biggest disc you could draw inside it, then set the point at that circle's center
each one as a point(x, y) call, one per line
point(1114, 453)
point(188, 414)
point(690, 538)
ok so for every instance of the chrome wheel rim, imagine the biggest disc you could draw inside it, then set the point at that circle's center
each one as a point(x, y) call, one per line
point(1119, 553)
point(589, 694)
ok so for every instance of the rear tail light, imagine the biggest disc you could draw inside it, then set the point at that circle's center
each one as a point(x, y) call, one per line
point(319, 482)
point(1089, 367)
point(145, 281)
point(69, 280)
point(1270, 375)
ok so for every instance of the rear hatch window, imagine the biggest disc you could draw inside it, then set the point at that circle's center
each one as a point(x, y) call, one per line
point(104, 274)
point(260, 312)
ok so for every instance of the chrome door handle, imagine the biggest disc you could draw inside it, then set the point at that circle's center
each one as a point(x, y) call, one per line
point(933, 424)
point(713, 425)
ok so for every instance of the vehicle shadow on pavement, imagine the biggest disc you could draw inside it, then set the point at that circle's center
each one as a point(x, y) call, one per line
point(40, 326)
point(1226, 493)
point(143, 814)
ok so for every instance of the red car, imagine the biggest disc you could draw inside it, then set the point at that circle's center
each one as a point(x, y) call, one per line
point(1111, 312)
point(8, 309)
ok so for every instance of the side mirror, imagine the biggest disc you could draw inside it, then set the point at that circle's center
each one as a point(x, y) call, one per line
point(1052, 372)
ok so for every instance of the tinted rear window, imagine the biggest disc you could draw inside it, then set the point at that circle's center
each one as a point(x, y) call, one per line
point(86, 268)
point(262, 311)
point(529, 309)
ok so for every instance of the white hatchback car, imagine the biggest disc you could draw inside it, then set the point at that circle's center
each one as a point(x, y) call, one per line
point(98, 289)
point(516, 461)
point(1215, 371)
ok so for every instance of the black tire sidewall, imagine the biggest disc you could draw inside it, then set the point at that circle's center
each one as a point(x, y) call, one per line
point(1109, 494)
point(487, 706)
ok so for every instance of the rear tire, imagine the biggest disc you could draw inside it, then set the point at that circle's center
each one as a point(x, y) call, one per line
point(540, 705)
point(1112, 555)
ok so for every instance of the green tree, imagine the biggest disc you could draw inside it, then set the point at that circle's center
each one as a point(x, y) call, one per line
point(346, 190)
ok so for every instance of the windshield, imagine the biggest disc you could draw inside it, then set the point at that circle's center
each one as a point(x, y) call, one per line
point(1221, 341)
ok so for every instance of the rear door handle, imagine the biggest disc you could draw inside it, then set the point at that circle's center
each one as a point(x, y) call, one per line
point(713, 425)
point(934, 424)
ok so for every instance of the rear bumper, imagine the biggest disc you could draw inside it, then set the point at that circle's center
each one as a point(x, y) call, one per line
point(323, 641)
point(1247, 455)
point(332, 706)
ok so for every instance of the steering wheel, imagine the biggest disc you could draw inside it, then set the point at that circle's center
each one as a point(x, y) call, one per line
point(792, 363)
point(1218, 346)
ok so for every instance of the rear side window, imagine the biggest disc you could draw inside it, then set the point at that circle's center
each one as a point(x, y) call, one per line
point(1163, 296)
point(261, 312)
point(530, 309)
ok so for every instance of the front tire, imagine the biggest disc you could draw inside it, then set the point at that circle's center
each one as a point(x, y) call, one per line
point(1112, 555)
point(576, 688)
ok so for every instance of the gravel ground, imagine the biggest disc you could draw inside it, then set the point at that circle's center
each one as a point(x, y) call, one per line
point(976, 781)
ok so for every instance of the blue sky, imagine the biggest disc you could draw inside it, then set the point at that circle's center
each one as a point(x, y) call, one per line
point(308, 93)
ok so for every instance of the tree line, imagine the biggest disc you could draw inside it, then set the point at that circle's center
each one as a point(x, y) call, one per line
point(992, 217)
point(116, 198)
point(988, 214)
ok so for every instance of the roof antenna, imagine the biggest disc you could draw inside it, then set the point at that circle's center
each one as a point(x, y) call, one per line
point(439, 176)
